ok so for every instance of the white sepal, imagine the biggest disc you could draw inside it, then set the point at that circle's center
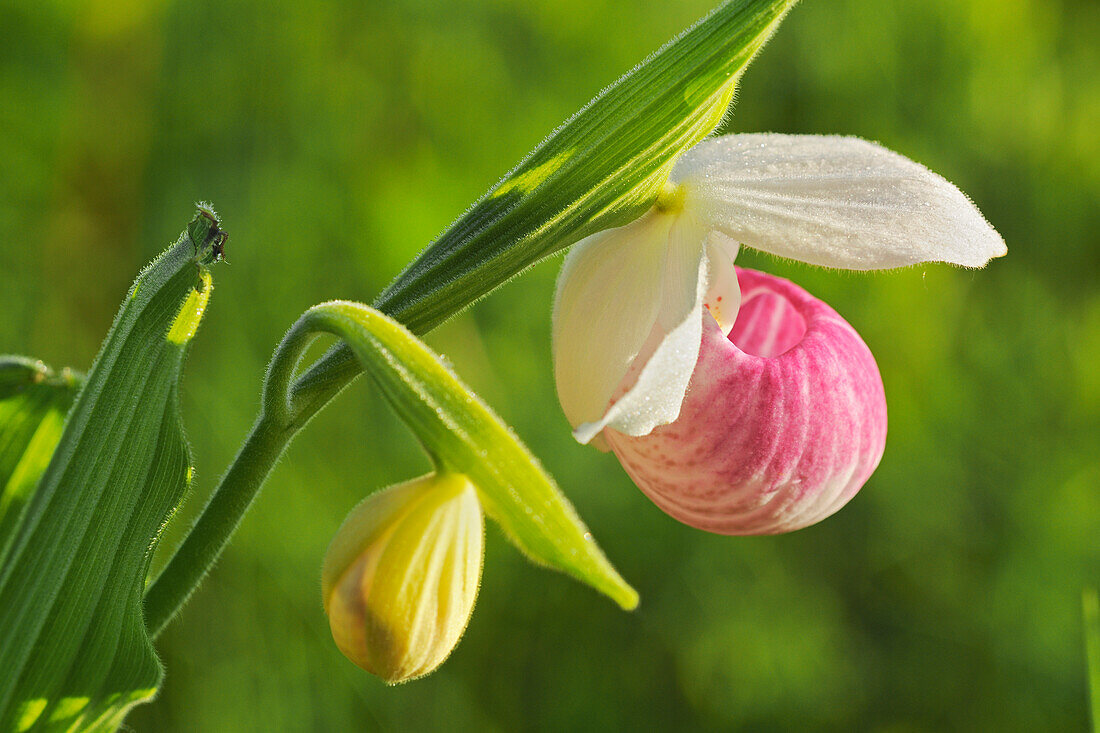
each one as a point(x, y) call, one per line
point(832, 201)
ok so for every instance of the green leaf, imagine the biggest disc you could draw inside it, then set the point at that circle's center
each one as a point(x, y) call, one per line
point(1091, 603)
point(602, 168)
point(33, 404)
point(74, 650)
point(463, 435)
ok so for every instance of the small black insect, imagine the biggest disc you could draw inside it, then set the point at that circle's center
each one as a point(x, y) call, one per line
point(218, 247)
point(215, 236)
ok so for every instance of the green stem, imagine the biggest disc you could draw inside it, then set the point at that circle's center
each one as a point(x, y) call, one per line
point(287, 407)
point(338, 367)
point(281, 417)
point(217, 523)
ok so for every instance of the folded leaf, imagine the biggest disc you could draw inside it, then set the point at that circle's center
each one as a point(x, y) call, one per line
point(33, 404)
point(601, 169)
point(463, 435)
point(74, 651)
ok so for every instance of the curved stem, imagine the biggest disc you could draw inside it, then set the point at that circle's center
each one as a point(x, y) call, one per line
point(217, 523)
point(338, 366)
point(279, 399)
point(283, 414)
point(287, 407)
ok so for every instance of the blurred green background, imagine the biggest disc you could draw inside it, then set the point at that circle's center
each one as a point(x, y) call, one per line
point(336, 140)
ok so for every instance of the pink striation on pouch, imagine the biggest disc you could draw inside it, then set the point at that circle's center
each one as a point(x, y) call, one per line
point(783, 422)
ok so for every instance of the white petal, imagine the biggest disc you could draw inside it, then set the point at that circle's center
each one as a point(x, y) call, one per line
point(606, 305)
point(653, 390)
point(832, 201)
point(723, 293)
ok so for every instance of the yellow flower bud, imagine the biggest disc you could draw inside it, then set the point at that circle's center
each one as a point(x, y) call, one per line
point(401, 576)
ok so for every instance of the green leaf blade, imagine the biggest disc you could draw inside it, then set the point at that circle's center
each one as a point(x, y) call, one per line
point(463, 435)
point(33, 404)
point(75, 652)
point(603, 168)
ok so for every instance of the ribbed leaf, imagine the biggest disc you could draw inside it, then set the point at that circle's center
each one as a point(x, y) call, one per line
point(601, 169)
point(33, 403)
point(74, 653)
point(463, 435)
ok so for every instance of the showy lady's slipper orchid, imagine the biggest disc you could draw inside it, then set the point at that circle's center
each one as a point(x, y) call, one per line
point(768, 415)
point(401, 576)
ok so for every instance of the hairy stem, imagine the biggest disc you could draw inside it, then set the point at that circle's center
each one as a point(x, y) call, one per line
point(287, 407)
point(338, 367)
point(217, 523)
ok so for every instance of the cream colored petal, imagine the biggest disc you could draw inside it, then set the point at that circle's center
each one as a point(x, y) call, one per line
point(665, 363)
point(832, 201)
point(607, 301)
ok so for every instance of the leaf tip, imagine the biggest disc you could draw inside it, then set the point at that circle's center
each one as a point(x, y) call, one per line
point(627, 597)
